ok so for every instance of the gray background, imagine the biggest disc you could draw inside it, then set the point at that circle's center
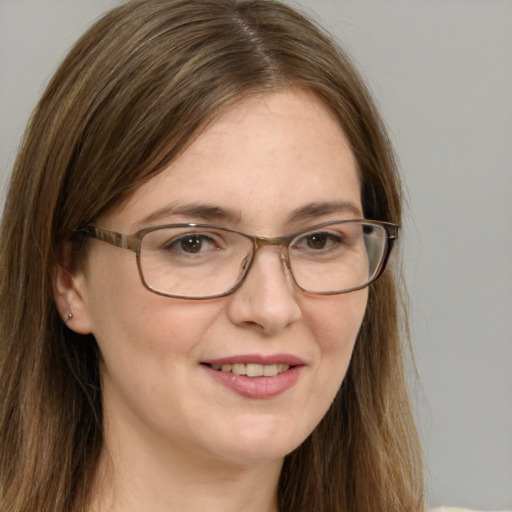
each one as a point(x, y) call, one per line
point(442, 73)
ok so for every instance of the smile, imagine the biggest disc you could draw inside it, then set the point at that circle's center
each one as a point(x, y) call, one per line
point(256, 376)
point(251, 369)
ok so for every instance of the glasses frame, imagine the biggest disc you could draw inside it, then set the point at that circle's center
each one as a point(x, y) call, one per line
point(133, 243)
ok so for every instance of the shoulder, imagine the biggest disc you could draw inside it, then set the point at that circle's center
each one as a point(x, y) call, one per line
point(452, 509)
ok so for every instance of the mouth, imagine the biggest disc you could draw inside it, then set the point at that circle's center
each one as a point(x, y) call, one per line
point(251, 369)
point(256, 376)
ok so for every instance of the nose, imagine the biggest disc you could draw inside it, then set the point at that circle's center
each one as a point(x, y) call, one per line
point(266, 301)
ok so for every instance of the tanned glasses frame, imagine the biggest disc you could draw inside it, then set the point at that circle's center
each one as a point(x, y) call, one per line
point(133, 243)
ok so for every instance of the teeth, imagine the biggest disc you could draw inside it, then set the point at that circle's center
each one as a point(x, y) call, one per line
point(238, 369)
point(252, 370)
point(255, 370)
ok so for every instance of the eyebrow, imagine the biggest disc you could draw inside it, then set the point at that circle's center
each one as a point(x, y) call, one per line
point(193, 211)
point(320, 208)
point(211, 213)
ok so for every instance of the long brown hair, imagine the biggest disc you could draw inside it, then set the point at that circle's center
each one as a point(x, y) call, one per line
point(133, 92)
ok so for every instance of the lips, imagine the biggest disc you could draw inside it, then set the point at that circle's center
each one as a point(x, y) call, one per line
point(256, 376)
point(288, 359)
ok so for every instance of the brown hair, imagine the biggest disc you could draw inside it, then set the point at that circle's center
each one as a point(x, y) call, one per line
point(134, 91)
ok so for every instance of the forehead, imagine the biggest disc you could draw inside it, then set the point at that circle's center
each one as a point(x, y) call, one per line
point(264, 158)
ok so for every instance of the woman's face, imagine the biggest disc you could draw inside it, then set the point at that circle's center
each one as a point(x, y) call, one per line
point(270, 165)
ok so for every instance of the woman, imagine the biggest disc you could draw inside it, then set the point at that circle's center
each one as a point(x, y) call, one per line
point(191, 319)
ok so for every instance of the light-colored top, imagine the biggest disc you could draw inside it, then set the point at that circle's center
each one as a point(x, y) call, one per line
point(451, 509)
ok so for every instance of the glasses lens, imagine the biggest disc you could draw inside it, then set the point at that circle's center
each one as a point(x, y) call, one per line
point(193, 261)
point(338, 257)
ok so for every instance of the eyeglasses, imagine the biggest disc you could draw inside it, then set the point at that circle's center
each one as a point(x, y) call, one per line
point(201, 261)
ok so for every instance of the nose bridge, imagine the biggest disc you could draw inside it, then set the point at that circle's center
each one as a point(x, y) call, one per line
point(266, 299)
point(281, 242)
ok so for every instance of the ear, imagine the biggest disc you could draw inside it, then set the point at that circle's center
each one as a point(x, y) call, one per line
point(70, 292)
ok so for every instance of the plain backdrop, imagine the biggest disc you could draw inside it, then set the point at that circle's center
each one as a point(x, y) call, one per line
point(441, 71)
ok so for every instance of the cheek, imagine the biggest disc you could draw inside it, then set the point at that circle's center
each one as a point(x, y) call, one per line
point(144, 328)
point(122, 309)
point(336, 321)
point(186, 323)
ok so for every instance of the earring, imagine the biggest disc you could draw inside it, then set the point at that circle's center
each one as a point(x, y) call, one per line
point(69, 316)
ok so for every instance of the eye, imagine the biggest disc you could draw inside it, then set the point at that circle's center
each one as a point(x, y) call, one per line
point(317, 241)
point(320, 240)
point(191, 243)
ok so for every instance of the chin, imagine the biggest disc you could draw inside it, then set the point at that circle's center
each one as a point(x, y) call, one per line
point(255, 455)
point(257, 445)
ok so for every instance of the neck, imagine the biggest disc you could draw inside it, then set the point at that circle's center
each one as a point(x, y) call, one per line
point(136, 477)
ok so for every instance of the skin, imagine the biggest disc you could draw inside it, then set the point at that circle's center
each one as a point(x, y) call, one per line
point(176, 439)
